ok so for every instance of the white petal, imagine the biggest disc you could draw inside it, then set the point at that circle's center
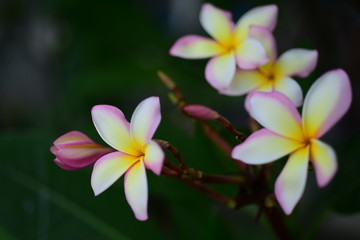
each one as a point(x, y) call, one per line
point(276, 112)
point(220, 70)
point(251, 54)
point(326, 102)
point(217, 23)
point(266, 38)
point(113, 128)
point(297, 62)
point(110, 168)
point(136, 190)
point(291, 89)
point(243, 82)
point(195, 47)
point(144, 121)
point(290, 185)
point(264, 146)
point(324, 161)
point(265, 16)
point(154, 157)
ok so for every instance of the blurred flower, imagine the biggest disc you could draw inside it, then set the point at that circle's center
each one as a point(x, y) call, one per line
point(276, 74)
point(74, 150)
point(135, 151)
point(232, 45)
point(201, 112)
point(285, 132)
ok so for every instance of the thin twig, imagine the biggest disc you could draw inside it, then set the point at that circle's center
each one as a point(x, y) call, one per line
point(174, 151)
point(218, 140)
point(170, 84)
point(276, 222)
point(226, 123)
point(228, 201)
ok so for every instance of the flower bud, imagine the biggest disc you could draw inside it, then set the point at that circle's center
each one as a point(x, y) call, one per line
point(201, 112)
point(74, 150)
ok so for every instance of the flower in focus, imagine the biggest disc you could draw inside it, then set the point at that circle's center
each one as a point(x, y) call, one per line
point(74, 150)
point(135, 151)
point(231, 45)
point(286, 133)
point(276, 74)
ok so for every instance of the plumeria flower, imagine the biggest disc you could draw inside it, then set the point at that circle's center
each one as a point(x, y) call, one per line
point(135, 151)
point(286, 133)
point(231, 45)
point(74, 150)
point(276, 75)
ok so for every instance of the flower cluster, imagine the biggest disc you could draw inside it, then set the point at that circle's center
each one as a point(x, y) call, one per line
point(243, 61)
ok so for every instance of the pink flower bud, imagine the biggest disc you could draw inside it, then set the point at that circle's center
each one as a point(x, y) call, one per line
point(201, 112)
point(74, 150)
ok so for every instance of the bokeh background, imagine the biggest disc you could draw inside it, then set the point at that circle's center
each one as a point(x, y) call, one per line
point(59, 58)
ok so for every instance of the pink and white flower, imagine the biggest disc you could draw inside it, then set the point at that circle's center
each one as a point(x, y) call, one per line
point(286, 132)
point(232, 44)
point(135, 151)
point(74, 150)
point(276, 75)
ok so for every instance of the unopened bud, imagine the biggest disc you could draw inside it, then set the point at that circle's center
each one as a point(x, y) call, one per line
point(201, 112)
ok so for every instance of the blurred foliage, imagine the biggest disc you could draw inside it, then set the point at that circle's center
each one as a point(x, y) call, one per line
point(109, 52)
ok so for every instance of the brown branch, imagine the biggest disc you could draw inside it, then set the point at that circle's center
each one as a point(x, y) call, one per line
point(228, 201)
point(224, 145)
point(170, 84)
point(226, 123)
point(277, 223)
point(174, 151)
point(210, 178)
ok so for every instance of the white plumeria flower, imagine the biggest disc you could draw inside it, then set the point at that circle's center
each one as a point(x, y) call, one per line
point(286, 133)
point(136, 151)
point(231, 45)
point(277, 74)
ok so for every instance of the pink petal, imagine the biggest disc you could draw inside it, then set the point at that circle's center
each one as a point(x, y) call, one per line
point(113, 128)
point(81, 155)
point(276, 112)
point(220, 70)
point(264, 146)
point(154, 157)
point(217, 23)
point(326, 102)
point(136, 190)
point(264, 16)
point(73, 137)
point(290, 88)
point(324, 161)
point(145, 120)
point(64, 165)
point(76, 150)
point(110, 168)
point(243, 82)
point(250, 54)
point(297, 62)
point(265, 37)
point(290, 185)
point(195, 47)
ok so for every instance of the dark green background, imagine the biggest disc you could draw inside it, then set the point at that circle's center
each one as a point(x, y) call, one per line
point(60, 58)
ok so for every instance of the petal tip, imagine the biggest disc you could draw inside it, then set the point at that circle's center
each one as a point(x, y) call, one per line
point(273, 8)
point(141, 217)
point(286, 206)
